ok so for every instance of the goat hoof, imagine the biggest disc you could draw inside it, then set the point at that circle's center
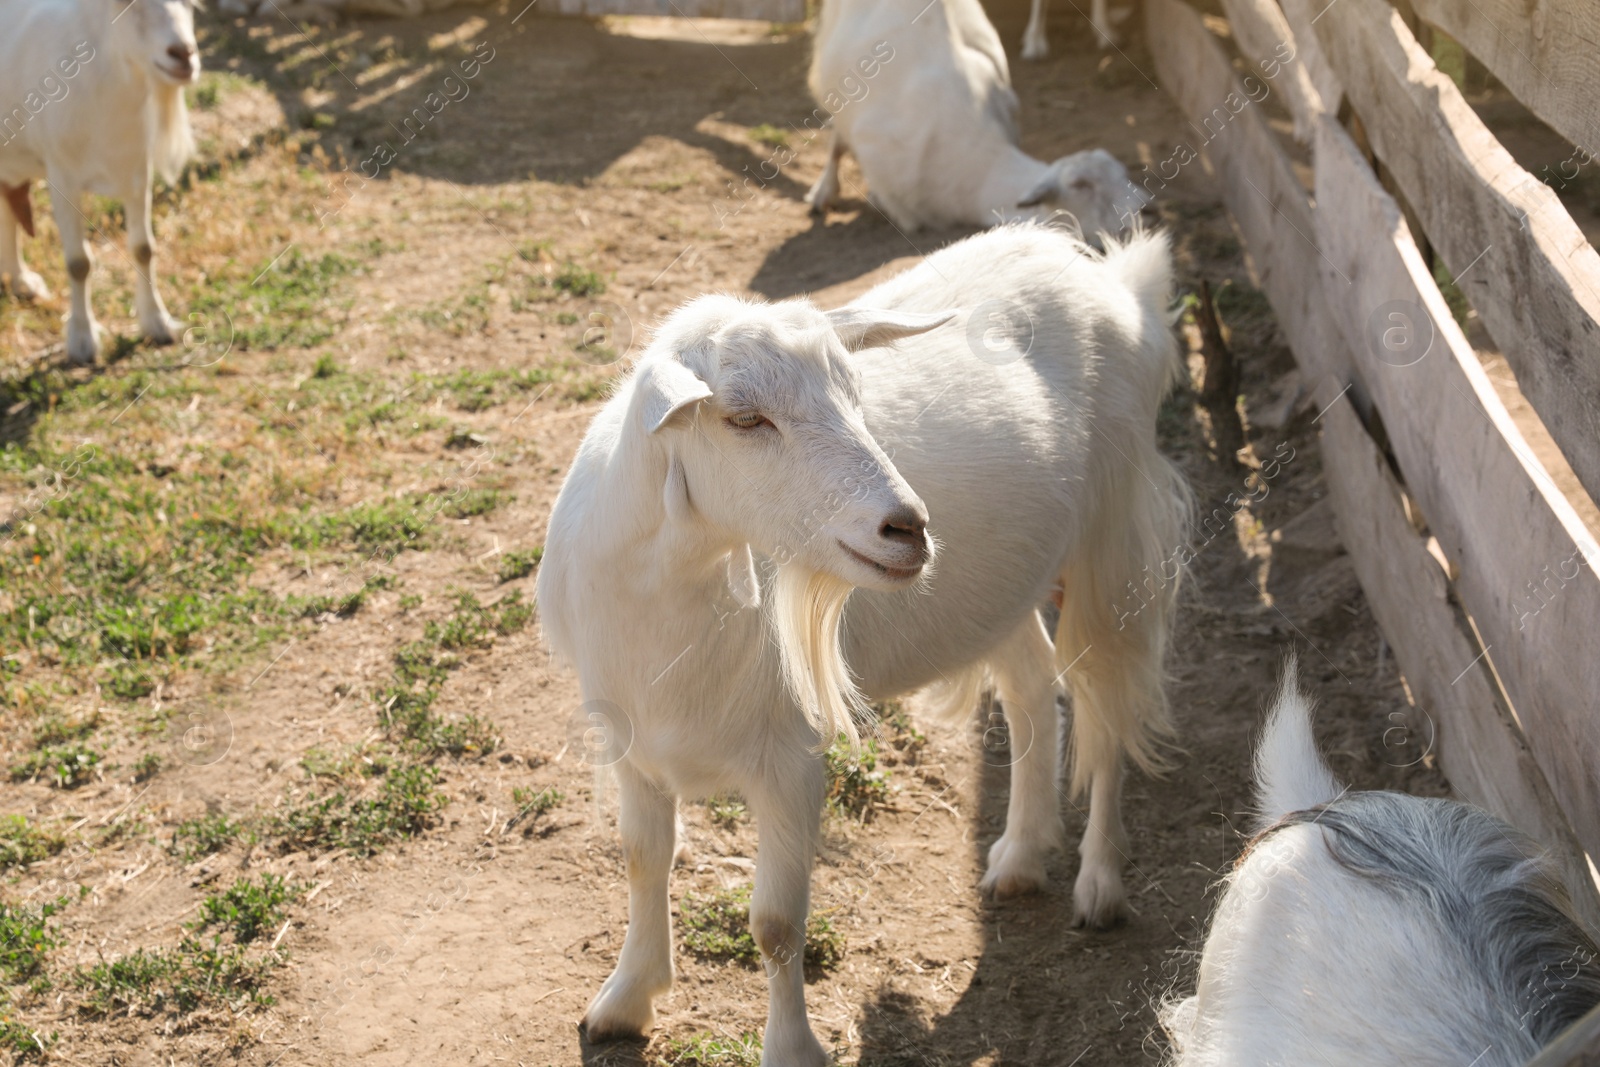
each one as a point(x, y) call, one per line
point(1098, 901)
point(1014, 870)
point(29, 286)
point(1035, 47)
point(160, 331)
point(803, 1051)
point(83, 342)
point(618, 1012)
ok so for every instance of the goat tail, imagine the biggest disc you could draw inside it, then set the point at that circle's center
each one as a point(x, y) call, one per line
point(1290, 773)
point(1143, 264)
point(807, 608)
point(171, 140)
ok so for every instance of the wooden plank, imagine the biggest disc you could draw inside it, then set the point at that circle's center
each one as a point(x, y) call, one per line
point(1578, 1045)
point(1492, 507)
point(1258, 183)
point(1301, 16)
point(761, 10)
point(1263, 35)
point(1547, 53)
point(1479, 746)
point(1522, 261)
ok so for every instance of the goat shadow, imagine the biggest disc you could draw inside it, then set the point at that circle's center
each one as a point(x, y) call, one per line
point(832, 252)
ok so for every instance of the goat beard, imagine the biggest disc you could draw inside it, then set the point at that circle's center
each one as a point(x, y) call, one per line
point(807, 609)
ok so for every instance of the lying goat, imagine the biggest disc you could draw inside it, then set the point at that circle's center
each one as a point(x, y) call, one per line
point(1378, 928)
point(99, 84)
point(765, 459)
point(935, 129)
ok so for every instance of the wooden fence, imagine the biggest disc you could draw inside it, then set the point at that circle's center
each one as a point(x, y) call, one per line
point(1479, 569)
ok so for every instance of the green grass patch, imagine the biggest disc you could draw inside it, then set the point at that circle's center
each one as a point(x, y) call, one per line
point(178, 980)
point(203, 836)
point(22, 843)
point(63, 766)
point(726, 811)
point(1454, 298)
point(711, 1050)
point(247, 907)
point(857, 787)
point(405, 805)
point(23, 1044)
point(769, 135)
point(284, 302)
point(519, 564)
point(421, 667)
point(717, 926)
point(26, 938)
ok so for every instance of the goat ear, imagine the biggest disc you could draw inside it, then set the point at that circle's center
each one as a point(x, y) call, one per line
point(667, 387)
point(1047, 189)
point(862, 328)
point(742, 580)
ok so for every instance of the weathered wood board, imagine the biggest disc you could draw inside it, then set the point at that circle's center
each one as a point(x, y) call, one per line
point(1520, 259)
point(1547, 52)
point(1528, 570)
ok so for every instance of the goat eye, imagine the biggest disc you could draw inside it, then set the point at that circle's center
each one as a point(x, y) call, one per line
point(748, 420)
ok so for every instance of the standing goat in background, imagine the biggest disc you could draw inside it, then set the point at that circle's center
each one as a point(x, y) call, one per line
point(1036, 44)
point(95, 92)
point(935, 130)
point(1378, 928)
point(764, 460)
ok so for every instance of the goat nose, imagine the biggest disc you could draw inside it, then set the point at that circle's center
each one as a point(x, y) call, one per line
point(904, 524)
point(181, 52)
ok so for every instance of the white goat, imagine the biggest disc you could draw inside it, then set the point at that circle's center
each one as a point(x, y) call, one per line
point(1378, 928)
point(935, 128)
point(1036, 45)
point(91, 100)
point(1024, 427)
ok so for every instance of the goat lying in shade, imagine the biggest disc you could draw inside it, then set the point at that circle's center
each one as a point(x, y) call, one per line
point(1379, 928)
point(935, 129)
point(98, 86)
point(765, 459)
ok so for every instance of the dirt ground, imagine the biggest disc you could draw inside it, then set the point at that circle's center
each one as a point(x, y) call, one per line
point(624, 148)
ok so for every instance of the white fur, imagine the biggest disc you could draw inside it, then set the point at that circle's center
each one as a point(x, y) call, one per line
point(1377, 928)
point(1038, 471)
point(935, 127)
point(119, 120)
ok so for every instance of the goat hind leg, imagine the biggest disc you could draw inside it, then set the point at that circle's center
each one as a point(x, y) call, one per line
point(1023, 667)
point(788, 813)
point(1035, 43)
point(24, 283)
point(826, 191)
point(648, 822)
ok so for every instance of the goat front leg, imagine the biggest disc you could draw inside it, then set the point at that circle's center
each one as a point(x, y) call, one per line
point(648, 822)
point(826, 191)
point(24, 283)
point(154, 322)
point(83, 332)
point(788, 810)
point(1035, 45)
point(1023, 667)
point(1101, 21)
